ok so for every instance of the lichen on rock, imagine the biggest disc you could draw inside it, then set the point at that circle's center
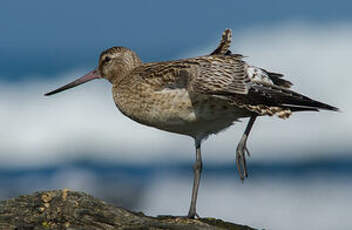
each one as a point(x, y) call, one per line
point(63, 209)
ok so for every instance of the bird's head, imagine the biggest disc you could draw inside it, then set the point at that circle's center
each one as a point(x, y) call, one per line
point(114, 64)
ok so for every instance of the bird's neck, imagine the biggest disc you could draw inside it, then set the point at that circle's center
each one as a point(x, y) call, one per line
point(122, 71)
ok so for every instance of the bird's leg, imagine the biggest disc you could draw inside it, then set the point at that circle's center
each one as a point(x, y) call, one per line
point(197, 168)
point(242, 149)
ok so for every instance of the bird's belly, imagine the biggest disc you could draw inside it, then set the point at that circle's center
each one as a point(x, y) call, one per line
point(176, 111)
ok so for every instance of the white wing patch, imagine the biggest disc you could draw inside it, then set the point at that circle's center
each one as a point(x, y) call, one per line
point(259, 75)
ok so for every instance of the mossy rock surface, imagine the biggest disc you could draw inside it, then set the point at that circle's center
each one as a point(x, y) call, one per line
point(63, 209)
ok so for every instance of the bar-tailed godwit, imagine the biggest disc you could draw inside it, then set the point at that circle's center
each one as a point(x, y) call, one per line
point(197, 96)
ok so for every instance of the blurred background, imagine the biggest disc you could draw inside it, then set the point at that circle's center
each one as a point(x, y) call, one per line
point(300, 171)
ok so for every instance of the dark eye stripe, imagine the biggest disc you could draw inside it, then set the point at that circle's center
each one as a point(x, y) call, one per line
point(106, 59)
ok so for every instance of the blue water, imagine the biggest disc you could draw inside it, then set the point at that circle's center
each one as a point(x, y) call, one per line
point(16, 181)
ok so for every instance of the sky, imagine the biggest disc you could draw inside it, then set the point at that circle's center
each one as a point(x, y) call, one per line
point(45, 45)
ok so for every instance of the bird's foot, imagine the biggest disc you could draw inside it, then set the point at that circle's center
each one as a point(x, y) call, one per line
point(193, 215)
point(189, 216)
point(241, 159)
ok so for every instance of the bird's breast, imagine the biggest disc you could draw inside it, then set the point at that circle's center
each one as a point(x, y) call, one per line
point(164, 107)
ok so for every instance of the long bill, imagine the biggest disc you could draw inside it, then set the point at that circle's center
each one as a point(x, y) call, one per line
point(88, 77)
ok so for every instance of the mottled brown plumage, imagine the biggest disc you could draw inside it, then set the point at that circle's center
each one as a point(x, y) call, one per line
point(177, 95)
point(197, 96)
point(224, 45)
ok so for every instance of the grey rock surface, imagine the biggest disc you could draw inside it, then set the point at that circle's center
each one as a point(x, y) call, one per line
point(63, 209)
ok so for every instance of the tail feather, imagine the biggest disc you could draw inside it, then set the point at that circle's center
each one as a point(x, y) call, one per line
point(310, 104)
point(300, 109)
point(278, 96)
point(277, 78)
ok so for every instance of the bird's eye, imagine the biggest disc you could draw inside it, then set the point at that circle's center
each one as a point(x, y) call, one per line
point(107, 59)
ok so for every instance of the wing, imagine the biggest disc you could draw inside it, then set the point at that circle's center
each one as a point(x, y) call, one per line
point(255, 72)
point(229, 74)
point(249, 87)
point(219, 75)
point(223, 47)
point(230, 78)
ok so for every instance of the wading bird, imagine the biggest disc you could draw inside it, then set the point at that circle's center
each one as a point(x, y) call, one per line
point(197, 96)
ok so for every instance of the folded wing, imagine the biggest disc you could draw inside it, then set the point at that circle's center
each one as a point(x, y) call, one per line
point(250, 87)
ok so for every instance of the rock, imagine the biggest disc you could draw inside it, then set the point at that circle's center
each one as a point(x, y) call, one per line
point(63, 209)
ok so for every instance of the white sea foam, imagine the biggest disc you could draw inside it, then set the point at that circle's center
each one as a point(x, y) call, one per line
point(38, 130)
